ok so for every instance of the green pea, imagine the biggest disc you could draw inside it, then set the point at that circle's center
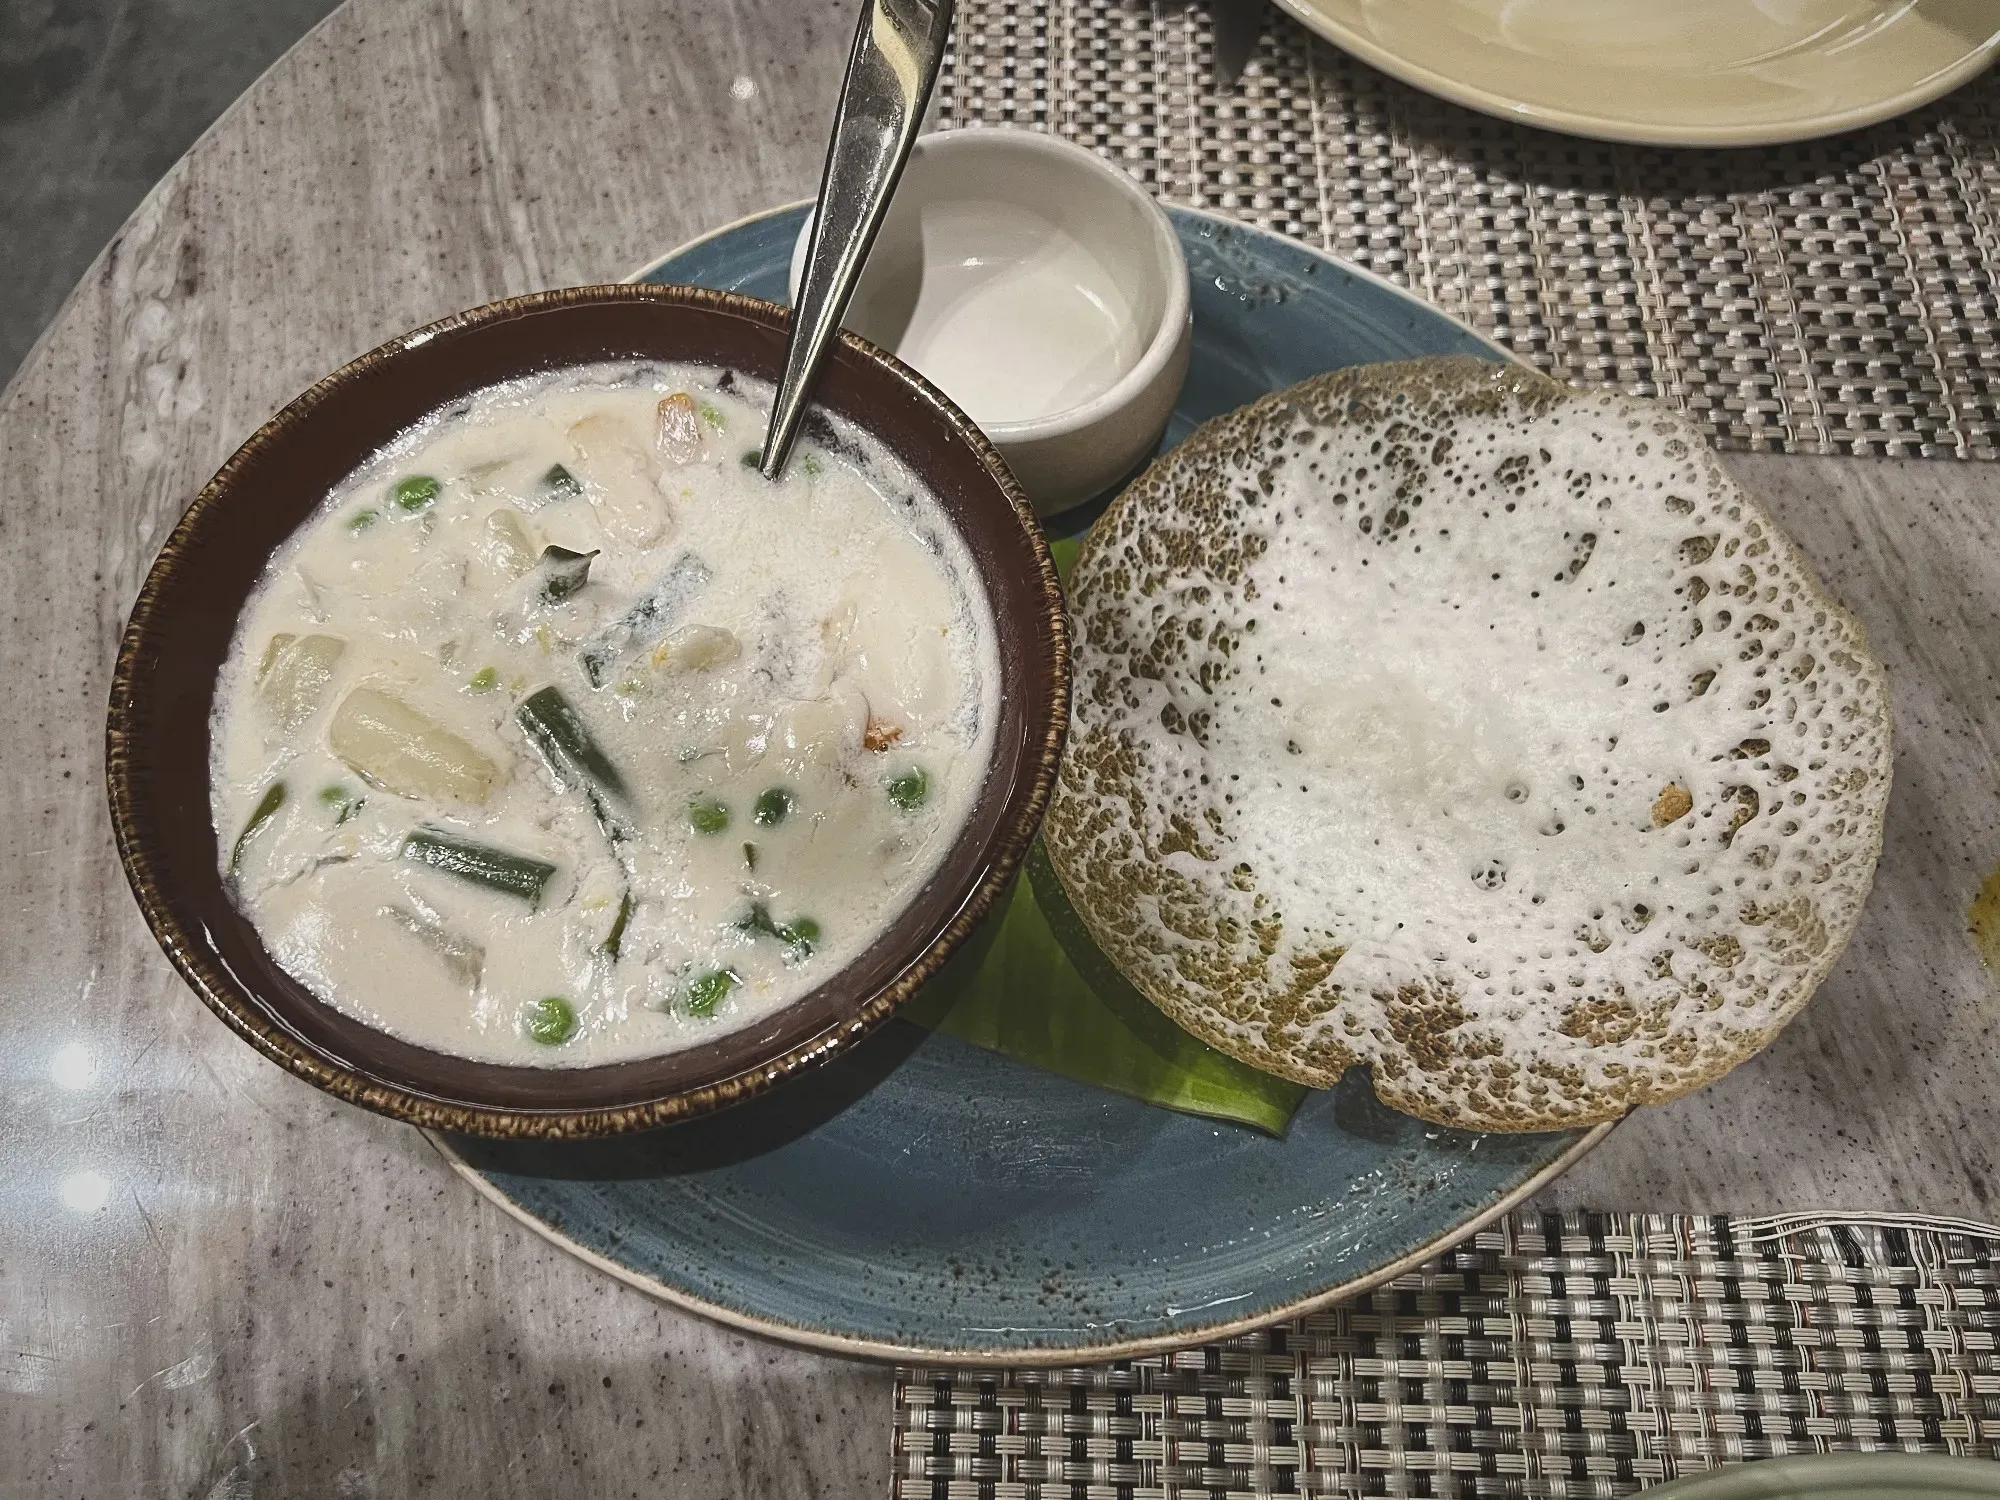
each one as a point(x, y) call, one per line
point(550, 1020)
point(910, 790)
point(753, 458)
point(801, 934)
point(415, 493)
point(773, 807)
point(707, 816)
point(710, 990)
point(484, 680)
point(361, 520)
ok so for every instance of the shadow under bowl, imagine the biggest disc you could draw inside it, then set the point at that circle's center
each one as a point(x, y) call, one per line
point(181, 627)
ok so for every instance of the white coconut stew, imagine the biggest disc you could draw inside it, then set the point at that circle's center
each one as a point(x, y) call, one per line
point(560, 736)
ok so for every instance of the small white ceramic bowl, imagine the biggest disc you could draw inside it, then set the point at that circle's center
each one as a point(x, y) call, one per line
point(1040, 288)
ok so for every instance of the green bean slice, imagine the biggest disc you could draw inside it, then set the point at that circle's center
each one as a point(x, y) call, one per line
point(800, 934)
point(911, 789)
point(560, 484)
point(615, 940)
point(478, 864)
point(555, 730)
point(266, 809)
point(647, 622)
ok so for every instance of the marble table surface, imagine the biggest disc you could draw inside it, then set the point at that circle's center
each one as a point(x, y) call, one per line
point(216, 1282)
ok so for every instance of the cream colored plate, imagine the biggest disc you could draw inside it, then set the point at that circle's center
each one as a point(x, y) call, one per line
point(1672, 72)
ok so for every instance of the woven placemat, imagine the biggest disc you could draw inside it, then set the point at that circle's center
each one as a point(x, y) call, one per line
point(1553, 1355)
point(1836, 296)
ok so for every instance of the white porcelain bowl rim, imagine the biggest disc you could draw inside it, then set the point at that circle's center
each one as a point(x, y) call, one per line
point(1167, 258)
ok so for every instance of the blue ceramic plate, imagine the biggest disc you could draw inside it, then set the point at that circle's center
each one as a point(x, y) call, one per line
point(928, 1201)
point(1844, 1476)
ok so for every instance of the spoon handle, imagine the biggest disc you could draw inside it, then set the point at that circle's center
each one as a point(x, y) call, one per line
point(898, 49)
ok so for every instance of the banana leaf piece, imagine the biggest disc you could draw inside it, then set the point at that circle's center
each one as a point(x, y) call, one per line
point(1032, 986)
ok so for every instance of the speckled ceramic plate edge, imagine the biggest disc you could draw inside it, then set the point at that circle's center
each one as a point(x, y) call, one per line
point(1220, 221)
point(1044, 1357)
point(1862, 1476)
point(862, 1348)
point(1417, 74)
point(708, 236)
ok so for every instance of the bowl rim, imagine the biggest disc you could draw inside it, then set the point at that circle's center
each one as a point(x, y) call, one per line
point(1176, 308)
point(142, 853)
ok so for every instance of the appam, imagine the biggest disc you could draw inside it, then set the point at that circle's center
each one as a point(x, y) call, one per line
point(1438, 718)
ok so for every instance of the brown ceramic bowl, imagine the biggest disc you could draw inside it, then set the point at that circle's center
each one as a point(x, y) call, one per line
point(179, 636)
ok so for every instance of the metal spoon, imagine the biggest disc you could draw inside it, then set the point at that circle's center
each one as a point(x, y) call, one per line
point(1238, 28)
point(898, 49)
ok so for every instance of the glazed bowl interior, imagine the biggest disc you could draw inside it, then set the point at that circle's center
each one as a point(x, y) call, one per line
point(181, 628)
